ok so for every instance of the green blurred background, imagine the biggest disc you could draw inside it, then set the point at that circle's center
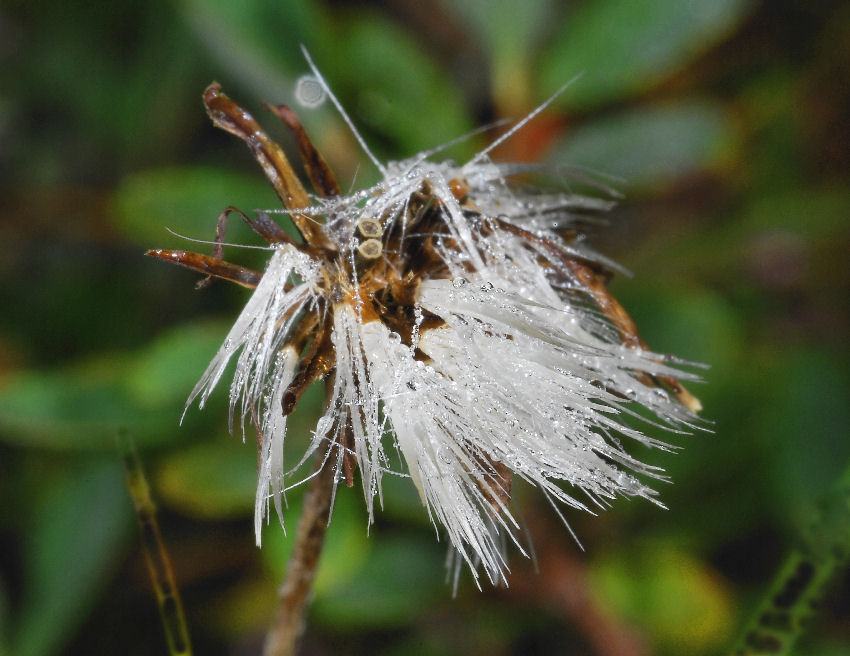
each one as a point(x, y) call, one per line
point(726, 125)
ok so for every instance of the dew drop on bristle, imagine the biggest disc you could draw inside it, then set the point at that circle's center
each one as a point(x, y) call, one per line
point(309, 91)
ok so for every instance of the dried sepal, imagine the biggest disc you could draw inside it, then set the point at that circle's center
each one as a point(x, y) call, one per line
point(210, 266)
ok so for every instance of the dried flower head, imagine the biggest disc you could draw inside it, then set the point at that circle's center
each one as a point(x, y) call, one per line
point(455, 316)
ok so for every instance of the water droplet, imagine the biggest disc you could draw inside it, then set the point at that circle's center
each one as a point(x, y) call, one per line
point(660, 394)
point(309, 91)
point(487, 287)
point(458, 282)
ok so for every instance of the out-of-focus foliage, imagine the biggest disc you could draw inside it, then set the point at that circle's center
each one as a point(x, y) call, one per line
point(725, 124)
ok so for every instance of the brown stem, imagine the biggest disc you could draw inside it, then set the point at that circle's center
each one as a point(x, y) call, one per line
point(294, 593)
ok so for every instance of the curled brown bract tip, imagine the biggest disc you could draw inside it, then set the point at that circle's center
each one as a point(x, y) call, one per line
point(211, 92)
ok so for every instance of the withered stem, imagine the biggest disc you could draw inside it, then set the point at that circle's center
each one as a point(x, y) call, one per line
point(294, 593)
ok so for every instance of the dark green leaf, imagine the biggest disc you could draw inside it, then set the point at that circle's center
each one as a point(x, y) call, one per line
point(257, 43)
point(347, 544)
point(80, 407)
point(808, 437)
point(512, 32)
point(651, 146)
point(188, 201)
point(212, 480)
point(398, 90)
point(401, 576)
point(167, 370)
point(77, 408)
point(79, 527)
point(623, 46)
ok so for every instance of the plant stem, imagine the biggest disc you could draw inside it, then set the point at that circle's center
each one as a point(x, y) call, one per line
point(294, 593)
point(156, 557)
point(805, 576)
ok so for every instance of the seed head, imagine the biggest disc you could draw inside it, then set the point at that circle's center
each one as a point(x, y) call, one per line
point(454, 315)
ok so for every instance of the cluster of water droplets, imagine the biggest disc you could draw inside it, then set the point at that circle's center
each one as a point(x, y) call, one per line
point(265, 365)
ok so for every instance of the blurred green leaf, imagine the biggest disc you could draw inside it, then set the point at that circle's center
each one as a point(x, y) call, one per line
point(212, 480)
point(668, 592)
point(808, 437)
point(701, 325)
point(188, 201)
point(257, 43)
point(512, 32)
point(168, 368)
point(87, 64)
point(398, 90)
point(80, 524)
point(781, 239)
point(624, 46)
point(507, 28)
point(398, 580)
point(81, 406)
point(347, 544)
point(694, 323)
point(816, 212)
point(78, 408)
point(653, 145)
point(402, 501)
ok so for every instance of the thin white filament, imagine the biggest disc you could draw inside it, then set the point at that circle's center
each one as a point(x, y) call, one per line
point(342, 112)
